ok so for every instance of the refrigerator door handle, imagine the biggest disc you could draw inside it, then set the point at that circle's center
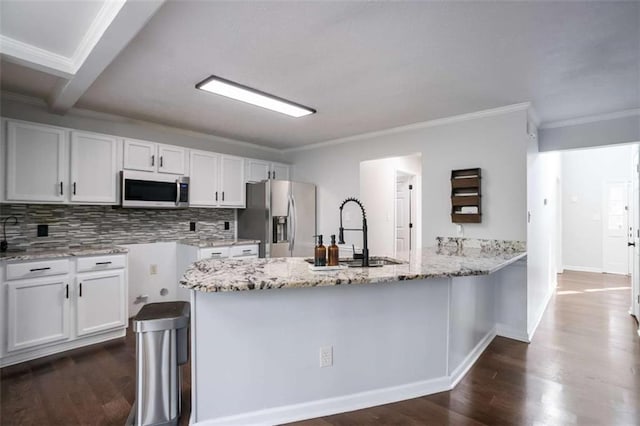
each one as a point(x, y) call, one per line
point(294, 215)
point(289, 221)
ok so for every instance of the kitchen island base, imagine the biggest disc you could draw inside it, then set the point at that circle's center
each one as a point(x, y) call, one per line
point(256, 354)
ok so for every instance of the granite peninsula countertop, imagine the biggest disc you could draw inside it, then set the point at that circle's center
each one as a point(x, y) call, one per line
point(218, 275)
point(35, 254)
point(221, 243)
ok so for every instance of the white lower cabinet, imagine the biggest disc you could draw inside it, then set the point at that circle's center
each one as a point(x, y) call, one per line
point(101, 302)
point(53, 305)
point(38, 312)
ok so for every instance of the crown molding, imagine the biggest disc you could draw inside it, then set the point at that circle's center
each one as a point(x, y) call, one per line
point(34, 57)
point(592, 118)
point(95, 115)
point(99, 25)
point(525, 106)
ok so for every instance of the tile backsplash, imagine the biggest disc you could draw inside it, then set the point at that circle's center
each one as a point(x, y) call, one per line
point(72, 226)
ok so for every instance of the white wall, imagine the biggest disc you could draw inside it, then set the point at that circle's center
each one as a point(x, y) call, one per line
point(124, 127)
point(492, 142)
point(543, 173)
point(378, 193)
point(584, 175)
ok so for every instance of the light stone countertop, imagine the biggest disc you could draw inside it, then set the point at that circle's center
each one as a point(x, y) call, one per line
point(218, 275)
point(11, 256)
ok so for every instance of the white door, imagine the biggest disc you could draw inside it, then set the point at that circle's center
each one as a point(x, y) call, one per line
point(402, 216)
point(171, 159)
point(38, 312)
point(232, 181)
point(615, 253)
point(36, 162)
point(101, 301)
point(94, 168)
point(139, 155)
point(203, 182)
point(257, 170)
point(635, 236)
point(279, 171)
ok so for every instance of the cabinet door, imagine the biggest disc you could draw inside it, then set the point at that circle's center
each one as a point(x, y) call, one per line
point(101, 303)
point(203, 182)
point(232, 181)
point(36, 162)
point(94, 168)
point(171, 159)
point(38, 312)
point(139, 155)
point(279, 171)
point(257, 170)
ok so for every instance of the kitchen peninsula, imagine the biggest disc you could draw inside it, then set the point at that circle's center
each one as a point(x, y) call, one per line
point(319, 343)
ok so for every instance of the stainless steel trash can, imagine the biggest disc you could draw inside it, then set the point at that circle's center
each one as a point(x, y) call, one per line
point(162, 331)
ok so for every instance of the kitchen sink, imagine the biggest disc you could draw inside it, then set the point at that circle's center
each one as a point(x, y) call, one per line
point(374, 262)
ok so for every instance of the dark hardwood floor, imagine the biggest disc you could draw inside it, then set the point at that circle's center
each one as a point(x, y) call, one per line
point(582, 368)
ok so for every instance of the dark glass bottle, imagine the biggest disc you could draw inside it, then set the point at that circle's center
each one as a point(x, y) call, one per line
point(320, 257)
point(333, 259)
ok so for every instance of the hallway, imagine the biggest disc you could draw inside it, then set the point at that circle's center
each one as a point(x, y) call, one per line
point(583, 367)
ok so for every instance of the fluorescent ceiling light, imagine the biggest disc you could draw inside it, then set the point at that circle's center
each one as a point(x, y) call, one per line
point(236, 91)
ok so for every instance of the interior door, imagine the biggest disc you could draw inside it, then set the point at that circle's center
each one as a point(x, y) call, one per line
point(402, 215)
point(635, 236)
point(615, 223)
point(303, 200)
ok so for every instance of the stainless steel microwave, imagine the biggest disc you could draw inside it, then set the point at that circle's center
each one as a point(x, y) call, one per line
point(150, 190)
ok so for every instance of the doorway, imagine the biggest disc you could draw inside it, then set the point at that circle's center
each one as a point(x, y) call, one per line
point(404, 215)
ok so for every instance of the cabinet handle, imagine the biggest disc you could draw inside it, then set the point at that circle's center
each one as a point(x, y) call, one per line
point(61, 188)
point(274, 174)
point(216, 195)
point(67, 291)
point(222, 195)
point(80, 292)
point(246, 251)
point(103, 263)
point(161, 157)
point(269, 175)
point(74, 188)
point(153, 160)
point(40, 269)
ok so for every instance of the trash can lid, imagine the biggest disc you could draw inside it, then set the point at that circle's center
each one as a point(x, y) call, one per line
point(162, 316)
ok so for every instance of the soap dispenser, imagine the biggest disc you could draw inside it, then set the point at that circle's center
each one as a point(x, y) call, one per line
point(320, 256)
point(333, 258)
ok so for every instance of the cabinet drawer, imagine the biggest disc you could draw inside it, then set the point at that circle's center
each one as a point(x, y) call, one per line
point(100, 263)
point(42, 268)
point(244, 251)
point(214, 252)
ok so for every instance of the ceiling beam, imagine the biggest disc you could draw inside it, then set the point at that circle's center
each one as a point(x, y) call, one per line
point(98, 53)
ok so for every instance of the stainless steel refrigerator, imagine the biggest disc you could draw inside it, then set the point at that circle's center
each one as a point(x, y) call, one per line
point(282, 215)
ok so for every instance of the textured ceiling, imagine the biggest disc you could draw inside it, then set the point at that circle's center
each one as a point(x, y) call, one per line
point(367, 66)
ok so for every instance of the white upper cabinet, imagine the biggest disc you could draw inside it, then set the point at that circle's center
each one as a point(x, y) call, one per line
point(37, 161)
point(216, 180)
point(259, 170)
point(94, 168)
point(279, 171)
point(152, 157)
point(203, 180)
point(232, 183)
point(139, 155)
point(171, 159)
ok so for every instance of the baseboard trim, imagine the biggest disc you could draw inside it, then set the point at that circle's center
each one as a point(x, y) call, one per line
point(329, 406)
point(582, 269)
point(540, 315)
point(28, 355)
point(509, 332)
point(464, 367)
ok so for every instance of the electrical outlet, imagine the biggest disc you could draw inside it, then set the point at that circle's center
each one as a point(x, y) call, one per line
point(227, 225)
point(153, 269)
point(192, 226)
point(43, 230)
point(326, 356)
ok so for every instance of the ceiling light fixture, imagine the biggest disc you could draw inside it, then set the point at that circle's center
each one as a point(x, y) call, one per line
point(236, 91)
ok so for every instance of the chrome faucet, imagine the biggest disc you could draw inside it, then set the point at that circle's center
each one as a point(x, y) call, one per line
point(365, 249)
